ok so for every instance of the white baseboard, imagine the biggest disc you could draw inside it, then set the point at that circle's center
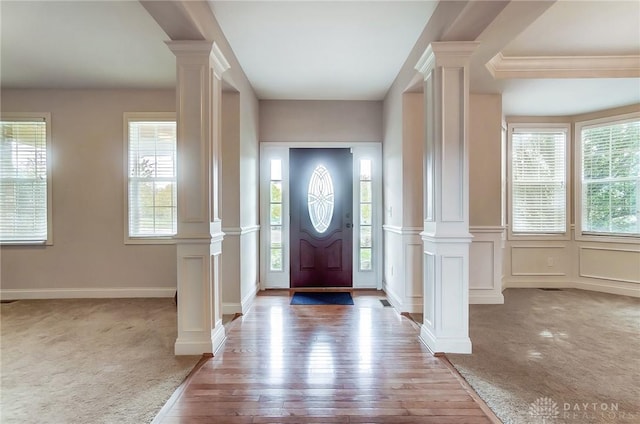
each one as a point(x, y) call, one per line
point(610, 288)
point(86, 293)
point(623, 289)
point(485, 299)
point(231, 308)
point(248, 299)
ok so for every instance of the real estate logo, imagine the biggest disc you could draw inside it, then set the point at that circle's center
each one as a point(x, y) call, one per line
point(544, 410)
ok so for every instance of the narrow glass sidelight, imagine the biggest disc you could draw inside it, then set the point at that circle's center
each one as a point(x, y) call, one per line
point(320, 199)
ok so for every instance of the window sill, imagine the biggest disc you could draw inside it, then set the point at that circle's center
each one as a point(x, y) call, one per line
point(27, 243)
point(605, 238)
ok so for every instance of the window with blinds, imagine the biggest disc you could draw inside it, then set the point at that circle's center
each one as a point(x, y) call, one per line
point(24, 181)
point(538, 181)
point(610, 164)
point(152, 181)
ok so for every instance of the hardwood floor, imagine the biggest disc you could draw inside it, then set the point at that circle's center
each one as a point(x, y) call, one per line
point(323, 364)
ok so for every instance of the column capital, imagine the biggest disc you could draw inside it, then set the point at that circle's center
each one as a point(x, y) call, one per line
point(200, 50)
point(445, 53)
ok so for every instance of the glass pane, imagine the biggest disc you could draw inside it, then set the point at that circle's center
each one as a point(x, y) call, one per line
point(276, 169)
point(365, 236)
point(276, 192)
point(365, 191)
point(276, 260)
point(320, 199)
point(276, 214)
point(276, 237)
point(365, 169)
point(365, 214)
point(365, 259)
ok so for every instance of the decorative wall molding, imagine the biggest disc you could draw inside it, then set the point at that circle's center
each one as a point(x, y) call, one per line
point(240, 231)
point(87, 293)
point(485, 265)
point(505, 67)
point(412, 231)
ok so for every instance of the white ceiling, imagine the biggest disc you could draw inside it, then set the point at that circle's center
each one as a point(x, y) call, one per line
point(83, 44)
point(307, 50)
point(322, 50)
point(581, 28)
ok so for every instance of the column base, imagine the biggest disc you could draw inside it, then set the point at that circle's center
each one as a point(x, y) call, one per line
point(198, 347)
point(444, 345)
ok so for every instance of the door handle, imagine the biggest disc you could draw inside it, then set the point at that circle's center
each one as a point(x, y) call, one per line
point(348, 225)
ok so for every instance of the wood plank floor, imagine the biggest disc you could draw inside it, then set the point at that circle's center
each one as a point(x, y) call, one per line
point(323, 364)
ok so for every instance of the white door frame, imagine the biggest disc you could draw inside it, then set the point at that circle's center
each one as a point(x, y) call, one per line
point(280, 150)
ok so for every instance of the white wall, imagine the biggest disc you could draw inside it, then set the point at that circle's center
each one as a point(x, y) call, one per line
point(88, 180)
point(320, 120)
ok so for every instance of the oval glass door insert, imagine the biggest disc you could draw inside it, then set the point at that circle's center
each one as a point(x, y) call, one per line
point(320, 199)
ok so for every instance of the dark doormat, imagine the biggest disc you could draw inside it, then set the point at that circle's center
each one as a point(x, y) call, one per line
point(321, 298)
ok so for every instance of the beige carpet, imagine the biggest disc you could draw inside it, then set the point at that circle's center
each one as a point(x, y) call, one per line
point(88, 361)
point(576, 348)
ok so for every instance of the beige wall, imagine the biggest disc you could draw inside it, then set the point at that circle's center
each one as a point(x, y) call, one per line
point(485, 136)
point(320, 120)
point(88, 196)
point(412, 159)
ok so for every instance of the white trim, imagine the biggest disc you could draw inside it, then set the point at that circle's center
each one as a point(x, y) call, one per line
point(46, 117)
point(511, 127)
point(476, 298)
point(441, 344)
point(603, 277)
point(240, 231)
point(602, 287)
point(280, 150)
point(231, 308)
point(577, 137)
point(87, 293)
point(220, 63)
point(505, 67)
point(247, 301)
point(405, 231)
point(137, 117)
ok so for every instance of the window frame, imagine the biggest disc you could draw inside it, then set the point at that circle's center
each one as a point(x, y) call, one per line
point(145, 117)
point(46, 117)
point(540, 126)
point(578, 207)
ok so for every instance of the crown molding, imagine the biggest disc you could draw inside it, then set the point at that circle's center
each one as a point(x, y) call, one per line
point(505, 67)
point(220, 63)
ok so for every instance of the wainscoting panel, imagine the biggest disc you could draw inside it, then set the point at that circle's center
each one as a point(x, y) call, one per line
point(610, 264)
point(485, 265)
point(540, 261)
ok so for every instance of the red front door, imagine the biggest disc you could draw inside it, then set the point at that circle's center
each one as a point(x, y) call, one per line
point(321, 199)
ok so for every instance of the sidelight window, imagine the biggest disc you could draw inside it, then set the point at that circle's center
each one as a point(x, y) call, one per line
point(275, 216)
point(366, 207)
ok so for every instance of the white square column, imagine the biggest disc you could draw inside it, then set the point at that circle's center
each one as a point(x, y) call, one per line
point(200, 65)
point(446, 237)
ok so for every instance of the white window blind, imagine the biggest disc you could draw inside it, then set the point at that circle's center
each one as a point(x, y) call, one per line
point(23, 181)
point(152, 178)
point(538, 178)
point(611, 178)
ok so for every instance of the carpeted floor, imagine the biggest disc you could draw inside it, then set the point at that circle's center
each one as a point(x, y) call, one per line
point(88, 361)
point(576, 348)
